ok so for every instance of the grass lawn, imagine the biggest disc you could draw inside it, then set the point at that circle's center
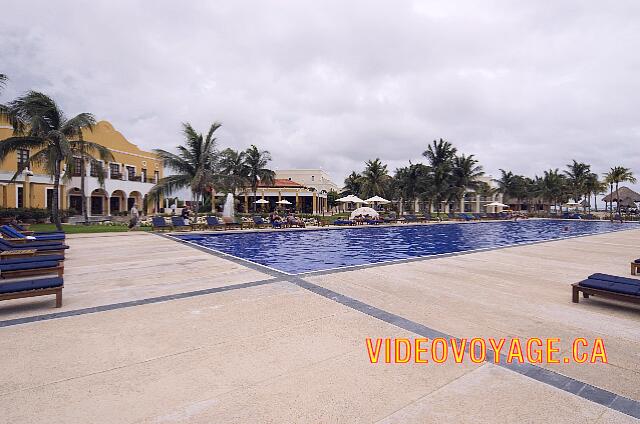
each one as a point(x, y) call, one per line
point(82, 229)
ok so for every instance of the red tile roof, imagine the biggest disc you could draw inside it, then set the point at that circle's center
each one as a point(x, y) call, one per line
point(281, 183)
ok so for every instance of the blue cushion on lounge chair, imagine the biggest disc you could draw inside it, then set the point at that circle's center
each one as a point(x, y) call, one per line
point(24, 285)
point(614, 279)
point(26, 266)
point(637, 261)
point(29, 259)
point(179, 221)
point(33, 245)
point(612, 286)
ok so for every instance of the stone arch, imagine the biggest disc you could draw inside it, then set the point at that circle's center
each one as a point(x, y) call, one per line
point(99, 204)
point(117, 202)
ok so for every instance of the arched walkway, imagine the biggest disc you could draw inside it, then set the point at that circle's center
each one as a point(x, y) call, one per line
point(98, 202)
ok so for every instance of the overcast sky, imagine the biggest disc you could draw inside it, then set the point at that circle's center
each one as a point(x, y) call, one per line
point(330, 84)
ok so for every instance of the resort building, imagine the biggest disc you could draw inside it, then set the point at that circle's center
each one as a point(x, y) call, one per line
point(301, 198)
point(313, 179)
point(127, 179)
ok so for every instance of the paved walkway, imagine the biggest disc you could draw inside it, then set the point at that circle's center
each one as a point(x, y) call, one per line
point(157, 331)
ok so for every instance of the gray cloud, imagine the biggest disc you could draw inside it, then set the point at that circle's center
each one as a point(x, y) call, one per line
point(330, 84)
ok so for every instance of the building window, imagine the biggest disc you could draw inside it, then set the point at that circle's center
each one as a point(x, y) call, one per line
point(156, 176)
point(23, 157)
point(96, 168)
point(77, 167)
point(20, 199)
point(313, 178)
point(114, 169)
point(131, 173)
point(143, 175)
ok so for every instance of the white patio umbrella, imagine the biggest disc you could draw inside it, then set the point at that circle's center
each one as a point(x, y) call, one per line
point(496, 205)
point(261, 202)
point(377, 199)
point(350, 199)
point(284, 202)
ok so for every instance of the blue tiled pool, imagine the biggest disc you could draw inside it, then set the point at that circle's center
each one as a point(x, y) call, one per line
point(298, 252)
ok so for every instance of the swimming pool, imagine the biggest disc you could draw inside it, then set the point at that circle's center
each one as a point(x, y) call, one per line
point(296, 252)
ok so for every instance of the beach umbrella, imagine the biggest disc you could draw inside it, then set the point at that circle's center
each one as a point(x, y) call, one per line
point(377, 199)
point(364, 211)
point(284, 202)
point(496, 205)
point(350, 199)
point(261, 202)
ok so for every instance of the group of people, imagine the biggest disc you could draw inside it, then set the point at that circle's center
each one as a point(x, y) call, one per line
point(290, 220)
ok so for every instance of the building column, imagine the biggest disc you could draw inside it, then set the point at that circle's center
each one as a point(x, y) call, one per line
point(108, 208)
point(279, 195)
point(297, 200)
point(315, 203)
point(478, 203)
point(462, 204)
point(26, 192)
point(213, 201)
point(63, 197)
point(246, 202)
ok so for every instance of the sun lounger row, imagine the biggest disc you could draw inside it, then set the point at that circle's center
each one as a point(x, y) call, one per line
point(31, 264)
point(215, 223)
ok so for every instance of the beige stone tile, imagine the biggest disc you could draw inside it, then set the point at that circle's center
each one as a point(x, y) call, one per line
point(494, 395)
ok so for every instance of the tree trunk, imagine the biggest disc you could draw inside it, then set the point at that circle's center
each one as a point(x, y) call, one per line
point(83, 194)
point(618, 201)
point(55, 213)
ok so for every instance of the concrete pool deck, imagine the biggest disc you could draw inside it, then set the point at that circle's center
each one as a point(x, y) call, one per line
point(153, 330)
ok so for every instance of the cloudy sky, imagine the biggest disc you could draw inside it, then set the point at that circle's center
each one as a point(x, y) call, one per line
point(524, 86)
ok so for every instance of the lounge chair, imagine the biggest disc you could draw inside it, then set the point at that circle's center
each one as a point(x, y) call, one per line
point(13, 233)
point(33, 287)
point(28, 269)
point(608, 286)
point(214, 223)
point(179, 222)
point(343, 222)
point(9, 244)
point(158, 223)
point(24, 230)
point(230, 222)
point(635, 266)
point(276, 224)
point(259, 222)
point(28, 251)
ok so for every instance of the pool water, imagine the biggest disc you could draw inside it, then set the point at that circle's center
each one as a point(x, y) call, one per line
point(296, 252)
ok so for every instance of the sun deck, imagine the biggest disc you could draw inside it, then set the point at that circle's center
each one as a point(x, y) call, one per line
point(177, 334)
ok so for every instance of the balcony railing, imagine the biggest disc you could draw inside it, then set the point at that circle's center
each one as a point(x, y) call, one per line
point(120, 177)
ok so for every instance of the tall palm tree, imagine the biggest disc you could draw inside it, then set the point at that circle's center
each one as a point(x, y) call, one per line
point(195, 165)
point(440, 155)
point(94, 153)
point(465, 175)
point(595, 187)
point(617, 175)
point(256, 163)
point(552, 187)
point(375, 179)
point(233, 170)
point(577, 174)
point(352, 185)
point(3, 81)
point(40, 125)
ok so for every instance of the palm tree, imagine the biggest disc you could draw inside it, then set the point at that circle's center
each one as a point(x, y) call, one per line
point(375, 179)
point(256, 162)
point(3, 81)
point(40, 125)
point(552, 187)
point(465, 175)
point(352, 184)
point(94, 153)
point(195, 165)
point(233, 168)
point(440, 155)
point(594, 186)
point(577, 174)
point(617, 175)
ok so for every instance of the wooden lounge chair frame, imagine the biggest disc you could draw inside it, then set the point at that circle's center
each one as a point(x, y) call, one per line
point(36, 292)
point(634, 268)
point(588, 291)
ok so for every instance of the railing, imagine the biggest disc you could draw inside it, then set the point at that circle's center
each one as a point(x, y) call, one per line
point(120, 177)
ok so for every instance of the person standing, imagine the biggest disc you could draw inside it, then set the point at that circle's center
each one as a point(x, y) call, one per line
point(134, 218)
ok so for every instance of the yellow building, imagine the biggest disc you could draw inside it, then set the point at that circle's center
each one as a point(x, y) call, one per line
point(127, 179)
